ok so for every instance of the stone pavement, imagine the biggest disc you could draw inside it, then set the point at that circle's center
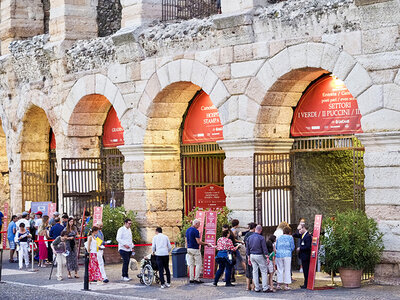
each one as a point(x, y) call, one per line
point(24, 284)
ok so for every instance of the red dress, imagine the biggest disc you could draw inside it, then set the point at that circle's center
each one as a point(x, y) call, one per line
point(42, 248)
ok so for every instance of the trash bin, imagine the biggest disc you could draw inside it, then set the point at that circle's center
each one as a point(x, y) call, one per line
point(179, 267)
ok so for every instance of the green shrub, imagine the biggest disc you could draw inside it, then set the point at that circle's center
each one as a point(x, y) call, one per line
point(351, 240)
point(113, 219)
point(223, 218)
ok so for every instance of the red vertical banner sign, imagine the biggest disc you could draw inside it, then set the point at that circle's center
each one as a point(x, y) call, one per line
point(314, 252)
point(5, 225)
point(51, 210)
point(210, 237)
point(200, 214)
point(97, 215)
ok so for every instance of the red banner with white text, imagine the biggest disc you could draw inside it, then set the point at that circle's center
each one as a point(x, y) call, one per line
point(314, 252)
point(5, 225)
point(97, 215)
point(202, 123)
point(113, 133)
point(200, 215)
point(210, 196)
point(326, 108)
point(210, 237)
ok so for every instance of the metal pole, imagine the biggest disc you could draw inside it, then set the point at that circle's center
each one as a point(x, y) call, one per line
point(33, 258)
point(86, 277)
point(1, 262)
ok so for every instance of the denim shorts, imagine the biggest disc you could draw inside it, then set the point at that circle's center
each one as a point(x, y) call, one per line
point(11, 243)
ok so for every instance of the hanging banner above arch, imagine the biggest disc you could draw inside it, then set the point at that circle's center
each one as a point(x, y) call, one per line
point(113, 133)
point(327, 108)
point(52, 140)
point(202, 123)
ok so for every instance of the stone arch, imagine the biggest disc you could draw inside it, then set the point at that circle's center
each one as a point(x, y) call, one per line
point(166, 96)
point(279, 83)
point(85, 111)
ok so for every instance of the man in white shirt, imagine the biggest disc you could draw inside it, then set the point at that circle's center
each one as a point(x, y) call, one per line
point(161, 247)
point(125, 247)
point(24, 219)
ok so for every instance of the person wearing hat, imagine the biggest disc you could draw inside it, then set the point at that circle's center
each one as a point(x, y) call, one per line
point(52, 220)
point(38, 220)
point(24, 219)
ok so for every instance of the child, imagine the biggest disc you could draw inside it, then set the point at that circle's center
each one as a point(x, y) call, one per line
point(271, 266)
point(23, 236)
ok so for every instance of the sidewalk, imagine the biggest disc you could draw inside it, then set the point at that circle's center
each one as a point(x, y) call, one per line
point(180, 289)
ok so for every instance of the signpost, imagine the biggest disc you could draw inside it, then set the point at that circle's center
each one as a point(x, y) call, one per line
point(314, 252)
point(200, 215)
point(52, 209)
point(210, 237)
point(5, 225)
point(97, 215)
point(210, 196)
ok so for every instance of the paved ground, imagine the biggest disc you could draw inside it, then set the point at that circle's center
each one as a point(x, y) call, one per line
point(22, 284)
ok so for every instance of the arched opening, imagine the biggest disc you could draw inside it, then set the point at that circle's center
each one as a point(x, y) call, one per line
point(38, 160)
point(324, 171)
point(93, 175)
point(4, 172)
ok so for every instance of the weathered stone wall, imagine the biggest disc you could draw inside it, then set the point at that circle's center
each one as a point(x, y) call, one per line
point(254, 64)
point(109, 15)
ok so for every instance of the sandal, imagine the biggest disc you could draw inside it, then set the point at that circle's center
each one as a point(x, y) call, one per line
point(76, 276)
point(288, 288)
point(69, 276)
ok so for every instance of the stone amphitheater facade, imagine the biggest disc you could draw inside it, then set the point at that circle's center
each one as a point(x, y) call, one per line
point(58, 70)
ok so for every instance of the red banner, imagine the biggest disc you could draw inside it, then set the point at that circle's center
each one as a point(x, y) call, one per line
point(314, 252)
point(210, 196)
point(210, 237)
point(97, 215)
point(52, 140)
point(5, 225)
point(113, 133)
point(200, 216)
point(326, 108)
point(52, 209)
point(202, 123)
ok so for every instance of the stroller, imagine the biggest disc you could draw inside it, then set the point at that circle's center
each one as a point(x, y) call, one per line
point(149, 270)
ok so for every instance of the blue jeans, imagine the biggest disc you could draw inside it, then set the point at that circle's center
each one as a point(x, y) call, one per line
point(223, 265)
point(126, 256)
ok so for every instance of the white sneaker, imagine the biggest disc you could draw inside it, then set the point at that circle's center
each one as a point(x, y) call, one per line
point(59, 278)
point(163, 286)
point(167, 284)
point(126, 279)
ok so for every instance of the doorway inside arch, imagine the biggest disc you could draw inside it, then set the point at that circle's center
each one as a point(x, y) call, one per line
point(324, 171)
point(202, 158)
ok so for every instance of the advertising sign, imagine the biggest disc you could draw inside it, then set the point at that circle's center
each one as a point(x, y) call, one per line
point(202, 123)
point(326, 108)
point(210, 196)
point(53, 144)
point(210, 237)
point(40, 206)
point(97, 215)
point(200, 215)
point(5, 225)
point(314, 252)
point(52, 209)
point(113, 133)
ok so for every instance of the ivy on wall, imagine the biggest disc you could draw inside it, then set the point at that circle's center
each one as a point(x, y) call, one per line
point(323, 183)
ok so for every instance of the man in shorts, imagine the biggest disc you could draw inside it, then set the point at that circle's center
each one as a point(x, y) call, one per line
point(11, 230)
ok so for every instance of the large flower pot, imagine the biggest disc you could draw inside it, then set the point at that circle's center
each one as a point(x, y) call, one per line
point(111, 255)
point(350, 278)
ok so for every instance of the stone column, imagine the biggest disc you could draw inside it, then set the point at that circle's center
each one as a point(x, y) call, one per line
point(73, 20)
point(20, 19)
point(237, 6)
point(382, 184)
point(139, 12)
point(238, 167)
point(153, 189)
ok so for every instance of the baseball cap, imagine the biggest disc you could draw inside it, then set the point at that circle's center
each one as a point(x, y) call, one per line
point(39, 213)
point(56, 213)
point(24, 214)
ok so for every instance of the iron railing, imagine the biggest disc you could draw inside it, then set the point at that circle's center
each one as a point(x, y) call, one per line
point(189, 9)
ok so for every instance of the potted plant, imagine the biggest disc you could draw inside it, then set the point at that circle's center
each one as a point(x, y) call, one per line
point(113, 219)
point(352, 244)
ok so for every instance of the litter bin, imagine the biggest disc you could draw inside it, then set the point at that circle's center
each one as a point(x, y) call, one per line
point(179, 266)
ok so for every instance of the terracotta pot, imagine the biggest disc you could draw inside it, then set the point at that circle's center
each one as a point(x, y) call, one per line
point(350, 278)
point(111, 255)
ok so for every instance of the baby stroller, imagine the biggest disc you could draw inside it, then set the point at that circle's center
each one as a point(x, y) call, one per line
point(149, 270)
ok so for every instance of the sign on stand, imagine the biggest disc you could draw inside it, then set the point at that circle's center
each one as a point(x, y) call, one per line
point(5, 225)
point(210, 196)
point(314, 252)
point(97, 215)
point(52, 209)
point(200, 216)
point(210, 237)
point(40, 206)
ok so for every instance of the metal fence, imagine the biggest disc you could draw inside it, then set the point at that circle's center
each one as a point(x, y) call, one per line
point(189, 9)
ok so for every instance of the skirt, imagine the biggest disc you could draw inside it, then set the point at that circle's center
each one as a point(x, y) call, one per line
point(42, 248)
point(94, 269)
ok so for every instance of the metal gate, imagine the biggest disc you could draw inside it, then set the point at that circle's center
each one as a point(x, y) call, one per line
point(188, 9)
point(202, 164)
point(89, 182)
point(273, 177)
point(272, 188)
point(39, 181)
